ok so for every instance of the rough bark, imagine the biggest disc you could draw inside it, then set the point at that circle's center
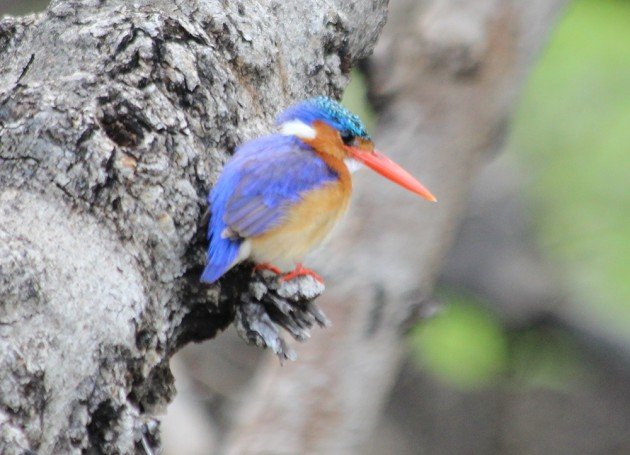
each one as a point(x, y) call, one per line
point(444, 79)
point(115, 118)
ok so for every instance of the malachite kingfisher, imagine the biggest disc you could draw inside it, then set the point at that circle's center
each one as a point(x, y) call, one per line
point(280, 195)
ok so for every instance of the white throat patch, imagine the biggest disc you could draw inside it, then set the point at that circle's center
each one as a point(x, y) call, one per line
point(352, 165)
point(297, 128)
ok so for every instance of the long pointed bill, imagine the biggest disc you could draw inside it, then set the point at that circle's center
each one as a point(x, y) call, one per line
point(389, 169)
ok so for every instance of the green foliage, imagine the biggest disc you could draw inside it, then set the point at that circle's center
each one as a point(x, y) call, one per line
point(573, 135)
point(20, 7)
point(464, 345)
point(354, 98)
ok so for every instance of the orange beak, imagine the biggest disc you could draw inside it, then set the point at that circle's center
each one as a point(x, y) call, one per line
point(390, 170)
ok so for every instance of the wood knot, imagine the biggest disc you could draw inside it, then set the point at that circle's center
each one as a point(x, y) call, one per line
point(122, 122)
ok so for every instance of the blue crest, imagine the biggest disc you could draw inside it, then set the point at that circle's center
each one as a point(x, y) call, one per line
point(329, 111)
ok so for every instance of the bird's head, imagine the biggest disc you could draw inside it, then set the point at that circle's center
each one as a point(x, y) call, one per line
point(329, 128)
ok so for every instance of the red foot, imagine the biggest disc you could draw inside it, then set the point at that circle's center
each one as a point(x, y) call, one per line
point(301, 271)
point(267, 266)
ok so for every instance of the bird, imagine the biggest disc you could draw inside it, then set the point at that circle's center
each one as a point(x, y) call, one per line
point(279, 196)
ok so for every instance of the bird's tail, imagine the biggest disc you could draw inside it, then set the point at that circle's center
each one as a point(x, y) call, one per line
point(223, 254)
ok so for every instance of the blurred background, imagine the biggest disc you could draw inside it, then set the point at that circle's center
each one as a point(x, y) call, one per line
point(531, 350)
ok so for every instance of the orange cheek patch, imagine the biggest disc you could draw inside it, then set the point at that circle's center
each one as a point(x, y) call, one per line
point(327, 140)
point(329, 146)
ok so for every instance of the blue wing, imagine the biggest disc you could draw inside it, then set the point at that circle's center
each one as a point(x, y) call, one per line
point(258, 185)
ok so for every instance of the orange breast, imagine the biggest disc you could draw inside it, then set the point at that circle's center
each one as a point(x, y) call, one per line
point(306, 226)
point(309, 222)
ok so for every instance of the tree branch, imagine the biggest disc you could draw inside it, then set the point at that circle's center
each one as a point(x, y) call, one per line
point(444, 79)
point(115, 118)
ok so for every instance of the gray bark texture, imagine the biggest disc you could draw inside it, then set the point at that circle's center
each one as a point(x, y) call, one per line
point(444, 79)
point(115, 119)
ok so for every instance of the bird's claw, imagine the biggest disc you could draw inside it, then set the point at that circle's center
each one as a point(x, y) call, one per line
point(301, 271)
point(267, 266)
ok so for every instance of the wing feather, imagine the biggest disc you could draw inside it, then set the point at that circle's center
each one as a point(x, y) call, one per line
point(270, 180)
point(264, 178)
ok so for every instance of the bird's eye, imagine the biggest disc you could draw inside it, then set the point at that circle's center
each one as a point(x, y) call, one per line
point(348, 138)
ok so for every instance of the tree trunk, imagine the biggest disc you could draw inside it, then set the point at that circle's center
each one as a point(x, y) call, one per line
point(444, 80)
point(115, 118)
